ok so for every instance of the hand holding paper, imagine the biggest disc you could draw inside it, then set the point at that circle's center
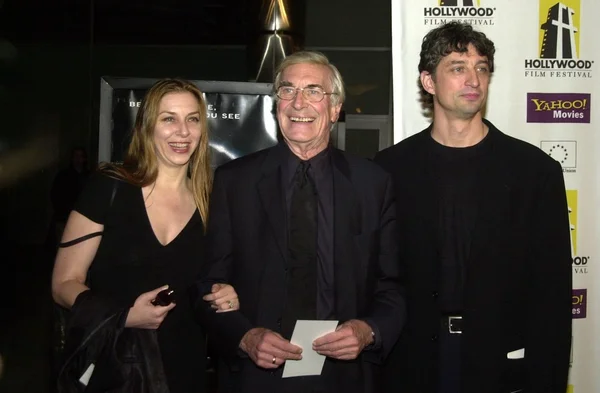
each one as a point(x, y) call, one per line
point(305, 332)
point(268, 349)
point(347, 342)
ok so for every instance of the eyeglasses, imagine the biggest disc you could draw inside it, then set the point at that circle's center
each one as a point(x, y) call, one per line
point(311, 94)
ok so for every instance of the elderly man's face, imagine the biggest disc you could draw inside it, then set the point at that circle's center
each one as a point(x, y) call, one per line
point(307, 125)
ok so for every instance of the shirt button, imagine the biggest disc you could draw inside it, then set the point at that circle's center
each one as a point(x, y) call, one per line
point(435, 294)
point(434, 337)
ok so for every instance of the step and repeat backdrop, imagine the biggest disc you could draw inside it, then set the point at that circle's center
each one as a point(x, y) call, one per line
point(543, 91)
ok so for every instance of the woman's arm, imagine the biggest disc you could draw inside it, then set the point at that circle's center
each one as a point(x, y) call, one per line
point(72, 263)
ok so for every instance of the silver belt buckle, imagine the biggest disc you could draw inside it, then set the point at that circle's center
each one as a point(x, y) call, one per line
point(450, 330)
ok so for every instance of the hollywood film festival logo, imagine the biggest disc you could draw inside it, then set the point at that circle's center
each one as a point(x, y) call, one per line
point(559, 39)
point(579, 262)
point(466, 11)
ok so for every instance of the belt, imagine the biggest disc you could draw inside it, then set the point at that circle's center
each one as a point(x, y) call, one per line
point(454, 324)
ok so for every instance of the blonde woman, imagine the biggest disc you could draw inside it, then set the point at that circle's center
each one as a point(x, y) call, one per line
point(136, 230)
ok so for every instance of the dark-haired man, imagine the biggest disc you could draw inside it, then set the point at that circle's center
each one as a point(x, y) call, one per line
point(484, 238)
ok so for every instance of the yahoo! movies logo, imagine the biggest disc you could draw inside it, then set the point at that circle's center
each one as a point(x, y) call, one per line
point(559, 37)
point(466, 11)
point(579, 303)
point(558, 108)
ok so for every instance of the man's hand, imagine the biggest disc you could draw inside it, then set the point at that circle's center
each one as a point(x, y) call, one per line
point(347, 342)
point(268, 349)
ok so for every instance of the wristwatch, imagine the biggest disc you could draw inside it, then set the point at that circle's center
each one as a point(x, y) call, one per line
point(372, 344)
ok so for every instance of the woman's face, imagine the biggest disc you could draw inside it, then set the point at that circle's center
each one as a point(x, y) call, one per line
point(177, 130)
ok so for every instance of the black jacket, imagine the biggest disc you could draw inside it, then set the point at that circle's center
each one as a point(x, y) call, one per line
point(517, 292)
point(248, 249)
point(126, 360)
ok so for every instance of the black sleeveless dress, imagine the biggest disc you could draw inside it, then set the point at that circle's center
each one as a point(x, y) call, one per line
point(130, 261)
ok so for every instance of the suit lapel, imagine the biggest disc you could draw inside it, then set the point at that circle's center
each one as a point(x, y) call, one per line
point(273, 202)
point(418, 210)
point(347, 225)
point(428, 200)
point(421, 186)
point(493, 207)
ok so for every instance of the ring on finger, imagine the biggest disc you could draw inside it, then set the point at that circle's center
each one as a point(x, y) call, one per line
point(274, 360)
point(230, 303)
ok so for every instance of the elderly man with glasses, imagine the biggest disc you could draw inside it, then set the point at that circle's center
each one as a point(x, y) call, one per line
point(304, 231)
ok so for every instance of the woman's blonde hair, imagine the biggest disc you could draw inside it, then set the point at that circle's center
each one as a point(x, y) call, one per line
point(140, 165)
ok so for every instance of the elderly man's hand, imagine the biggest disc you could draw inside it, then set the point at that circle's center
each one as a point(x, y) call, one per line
point(347, 342)
point(268, 349)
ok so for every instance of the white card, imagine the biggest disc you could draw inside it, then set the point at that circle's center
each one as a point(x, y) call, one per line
point(518, 354)
point(85, 377)
point(305, 332)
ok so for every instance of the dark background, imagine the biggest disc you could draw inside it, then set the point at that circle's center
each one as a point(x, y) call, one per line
point(52, 55)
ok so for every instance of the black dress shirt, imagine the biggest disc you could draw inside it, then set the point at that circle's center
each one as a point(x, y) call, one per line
point(321, 173)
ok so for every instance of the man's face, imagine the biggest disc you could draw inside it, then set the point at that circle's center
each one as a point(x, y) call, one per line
point(307, 124)
point(460, 84)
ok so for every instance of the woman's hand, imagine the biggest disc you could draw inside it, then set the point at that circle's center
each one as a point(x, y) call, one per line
point(223, 298)
point(145, 315)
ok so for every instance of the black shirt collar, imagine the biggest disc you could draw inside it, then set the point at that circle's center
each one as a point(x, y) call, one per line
point(448, 152)
point(318, 164)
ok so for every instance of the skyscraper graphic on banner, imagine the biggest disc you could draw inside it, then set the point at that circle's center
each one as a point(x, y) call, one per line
point(573, 213)
point(560, 28)
point(457, 3)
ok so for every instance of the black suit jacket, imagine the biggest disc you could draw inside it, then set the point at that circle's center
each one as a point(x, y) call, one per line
point(247, 240)
point(518, 281)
